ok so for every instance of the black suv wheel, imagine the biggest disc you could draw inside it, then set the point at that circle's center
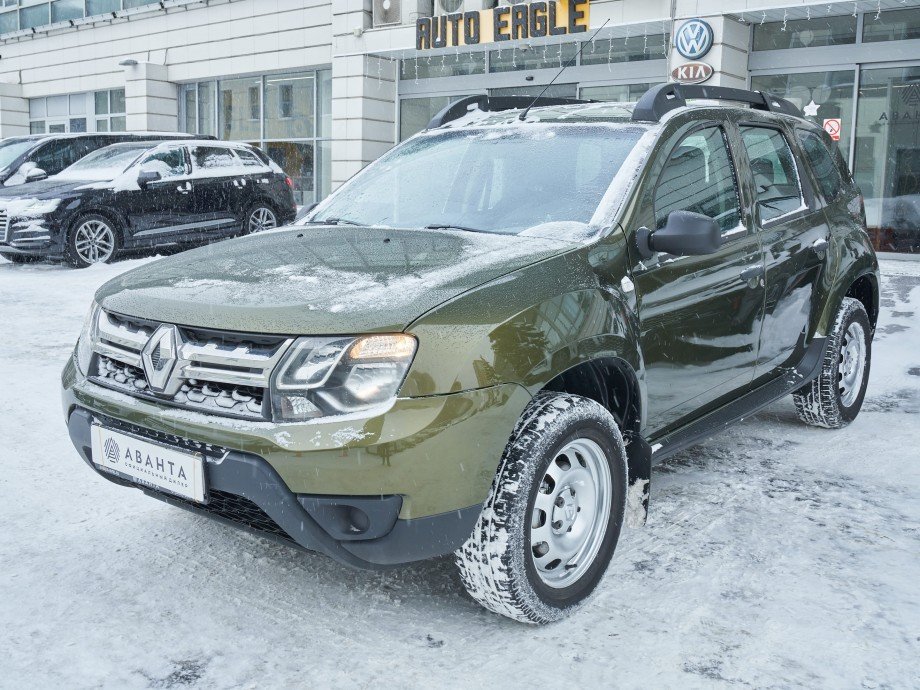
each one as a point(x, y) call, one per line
point(92, 240)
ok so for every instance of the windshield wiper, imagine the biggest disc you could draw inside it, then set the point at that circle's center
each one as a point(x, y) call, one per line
point(337, 221)
point(444, 226)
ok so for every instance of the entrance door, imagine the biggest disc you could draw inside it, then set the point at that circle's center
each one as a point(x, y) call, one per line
point(700, 315)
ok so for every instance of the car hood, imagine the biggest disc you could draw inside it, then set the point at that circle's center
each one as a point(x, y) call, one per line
point(320, 280)
point(43, 189)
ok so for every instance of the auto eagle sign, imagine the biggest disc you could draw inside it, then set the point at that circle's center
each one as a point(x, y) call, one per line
point(694, 39)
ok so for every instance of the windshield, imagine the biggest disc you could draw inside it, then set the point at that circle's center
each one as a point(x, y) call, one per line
point(104, 164)
point(502, 180)
point(11, 149)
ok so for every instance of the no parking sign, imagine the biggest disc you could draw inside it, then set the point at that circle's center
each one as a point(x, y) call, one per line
point(832, 127)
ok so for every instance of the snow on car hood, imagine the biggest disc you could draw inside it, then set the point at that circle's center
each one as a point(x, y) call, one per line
point(50, 188)
point(320, 280)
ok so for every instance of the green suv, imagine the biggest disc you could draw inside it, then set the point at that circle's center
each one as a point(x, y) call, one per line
point(480, 344)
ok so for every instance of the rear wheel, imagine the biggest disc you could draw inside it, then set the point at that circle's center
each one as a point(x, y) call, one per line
point(834, 398)
point(552, 520)
point(260, 217)
point(93, 240)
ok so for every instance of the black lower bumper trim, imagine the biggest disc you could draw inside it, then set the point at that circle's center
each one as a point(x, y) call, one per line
point(246, 491)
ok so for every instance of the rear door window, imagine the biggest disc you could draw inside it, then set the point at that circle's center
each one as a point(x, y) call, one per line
point(822, 164)
point(776, 178)
point(213, 159)
point(699, 176)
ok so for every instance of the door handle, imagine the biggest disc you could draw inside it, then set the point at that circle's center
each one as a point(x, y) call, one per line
point(753, 275)
point(184, 188)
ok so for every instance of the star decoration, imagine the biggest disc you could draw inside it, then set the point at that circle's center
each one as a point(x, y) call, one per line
point(811, 110)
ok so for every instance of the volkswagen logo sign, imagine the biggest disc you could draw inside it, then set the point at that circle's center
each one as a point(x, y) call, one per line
point(694, 39)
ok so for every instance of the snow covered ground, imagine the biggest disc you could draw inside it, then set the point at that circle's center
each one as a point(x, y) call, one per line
point(776, 555)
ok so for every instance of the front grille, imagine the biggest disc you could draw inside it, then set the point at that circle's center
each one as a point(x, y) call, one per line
point(4, 226)
point(220, 373)
point(207, 449)
point(242, 511)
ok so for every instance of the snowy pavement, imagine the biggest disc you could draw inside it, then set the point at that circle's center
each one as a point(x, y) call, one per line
point(776, 555)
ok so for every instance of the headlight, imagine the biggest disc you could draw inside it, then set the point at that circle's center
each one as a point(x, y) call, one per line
point(87, 338)
point(332, 376)
point(38, 207)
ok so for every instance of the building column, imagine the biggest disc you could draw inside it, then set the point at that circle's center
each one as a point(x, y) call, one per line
point(728, 56)
point(363, 95)
point(14, 111)
point(151, 100)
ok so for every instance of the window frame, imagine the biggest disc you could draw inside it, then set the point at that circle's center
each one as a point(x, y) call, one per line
point(818, 188)
point(806, 191)
point(742, 230)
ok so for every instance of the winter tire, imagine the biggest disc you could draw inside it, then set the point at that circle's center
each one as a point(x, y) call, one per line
point(92, 240)
point(259, 217)
point(551, 522)
point(834, 398)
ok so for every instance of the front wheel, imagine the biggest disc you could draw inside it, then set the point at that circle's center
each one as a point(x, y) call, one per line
point(553, 517)
point(834, 398)
point(93, 240)
point(258, 218)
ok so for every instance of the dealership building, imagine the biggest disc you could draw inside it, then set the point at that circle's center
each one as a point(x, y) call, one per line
point(325, 87)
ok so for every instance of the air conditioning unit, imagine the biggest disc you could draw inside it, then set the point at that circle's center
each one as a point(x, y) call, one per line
point(387, 12)
point(455, 6)
point(413, 9)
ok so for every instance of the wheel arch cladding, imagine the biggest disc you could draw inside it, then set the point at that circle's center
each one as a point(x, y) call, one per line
point(612, 382)
point(865, 289)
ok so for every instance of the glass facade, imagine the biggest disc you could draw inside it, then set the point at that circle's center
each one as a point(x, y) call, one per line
point(879, 133)
point(819, 95)
point(887, 155)
point(99, 111)
point(288, 115)
point(805, 33)
point(35, 16)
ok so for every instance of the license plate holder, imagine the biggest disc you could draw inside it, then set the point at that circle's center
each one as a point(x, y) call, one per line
point(149, 464)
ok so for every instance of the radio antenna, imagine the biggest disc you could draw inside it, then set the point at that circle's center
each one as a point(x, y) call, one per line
point(526, 110)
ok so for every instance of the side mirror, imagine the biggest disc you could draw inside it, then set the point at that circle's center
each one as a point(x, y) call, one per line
point(685, 234)
point(36, 174)
point(146, 177)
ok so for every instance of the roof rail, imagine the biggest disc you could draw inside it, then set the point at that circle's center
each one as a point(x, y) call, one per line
point(458, 109)
point(666, 97)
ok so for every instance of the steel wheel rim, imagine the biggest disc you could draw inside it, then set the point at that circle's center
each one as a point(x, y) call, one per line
point(94, 242)
point(262, 219)
point(571, 512)
point(852, 363)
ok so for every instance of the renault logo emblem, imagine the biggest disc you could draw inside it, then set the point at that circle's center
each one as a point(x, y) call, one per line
point(694, 39)
point(160, 358)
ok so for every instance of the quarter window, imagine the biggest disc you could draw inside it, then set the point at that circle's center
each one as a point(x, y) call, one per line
point(822, 164)
point(698, 176)
point(249, 159)
point(776, 180)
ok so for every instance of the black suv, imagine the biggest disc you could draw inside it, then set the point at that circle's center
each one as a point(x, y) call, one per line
point(143, 195)
point(35, 157)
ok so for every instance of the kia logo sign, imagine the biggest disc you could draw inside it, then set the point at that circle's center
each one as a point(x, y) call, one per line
point(691, 73)
point(694, 39)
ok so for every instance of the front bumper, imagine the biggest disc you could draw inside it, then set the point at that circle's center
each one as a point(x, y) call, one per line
point(31, 237)
point(417, 475)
